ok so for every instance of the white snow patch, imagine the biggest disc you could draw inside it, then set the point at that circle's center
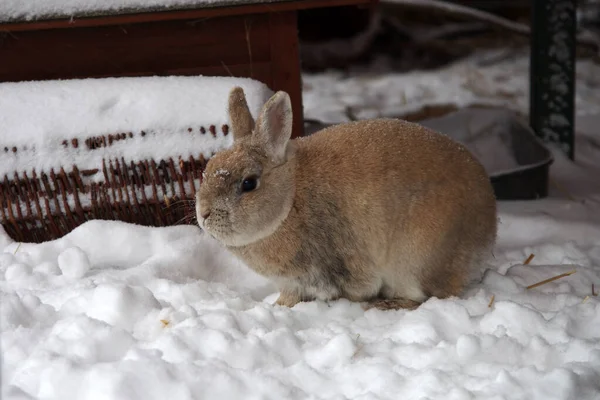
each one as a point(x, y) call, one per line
point(167, 313)
point(73, 263)
point(495, 78)
point(36, 117)
point(222, 173)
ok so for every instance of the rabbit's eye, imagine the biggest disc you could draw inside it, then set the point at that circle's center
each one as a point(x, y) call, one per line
point(249, 184)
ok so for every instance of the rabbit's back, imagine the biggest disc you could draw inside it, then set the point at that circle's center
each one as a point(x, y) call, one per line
point(419, 205)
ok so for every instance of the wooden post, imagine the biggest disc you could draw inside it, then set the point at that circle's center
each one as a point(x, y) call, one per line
point(213, 46)
point(285, 57)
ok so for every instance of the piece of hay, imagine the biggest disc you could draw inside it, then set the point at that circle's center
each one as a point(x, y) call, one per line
point(164, 322)
point(491, 303)
point(561, 189)
point(551, 279)
point(528, 260)
point(359, 347)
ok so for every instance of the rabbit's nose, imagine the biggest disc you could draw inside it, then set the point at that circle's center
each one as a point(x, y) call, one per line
point(205, 214)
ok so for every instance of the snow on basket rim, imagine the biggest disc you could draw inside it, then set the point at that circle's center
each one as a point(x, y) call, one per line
point(30, 10)
point(39, 111)
point(47, 125)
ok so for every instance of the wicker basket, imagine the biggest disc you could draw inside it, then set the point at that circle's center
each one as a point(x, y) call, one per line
point(40, 205)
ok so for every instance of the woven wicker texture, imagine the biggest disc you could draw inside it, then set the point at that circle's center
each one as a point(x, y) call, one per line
point(37, 206)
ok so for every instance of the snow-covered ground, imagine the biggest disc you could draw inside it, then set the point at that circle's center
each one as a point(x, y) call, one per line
point(121, 312)
point(491, 78)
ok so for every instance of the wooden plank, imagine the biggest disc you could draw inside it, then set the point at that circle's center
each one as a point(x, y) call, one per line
point(157, 48)
point(286, 63)
point(261, 71)
point(197, 13)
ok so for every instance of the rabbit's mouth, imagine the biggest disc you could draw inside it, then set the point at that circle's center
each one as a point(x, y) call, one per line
point(217, 231)
point(218, 225)
point(240, 227)
point(222, 229)
point(229, 237)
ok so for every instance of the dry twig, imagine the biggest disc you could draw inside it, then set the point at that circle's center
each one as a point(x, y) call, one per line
point(491, 303)
point(551, 279)
point(350, 113)
point(249, 45)
point(561, 189)
point(359, 347)
point(226, 68)
point(528, 260)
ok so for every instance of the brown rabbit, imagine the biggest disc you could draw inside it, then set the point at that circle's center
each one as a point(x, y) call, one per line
point(381, 211)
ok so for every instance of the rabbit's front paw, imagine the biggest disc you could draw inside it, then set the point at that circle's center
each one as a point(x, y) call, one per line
point(288, 299)
point(392, 304)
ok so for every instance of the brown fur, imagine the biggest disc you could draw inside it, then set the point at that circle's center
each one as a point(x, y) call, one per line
point(384, 211)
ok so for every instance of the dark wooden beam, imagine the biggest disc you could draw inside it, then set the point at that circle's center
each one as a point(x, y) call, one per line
point(196, 13)
point(216, 46)
point(285, 54)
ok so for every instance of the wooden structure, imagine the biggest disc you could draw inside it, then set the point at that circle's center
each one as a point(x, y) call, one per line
point(257, 40)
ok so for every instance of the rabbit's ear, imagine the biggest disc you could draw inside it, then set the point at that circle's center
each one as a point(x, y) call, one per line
point(274, 125)
point(242, 122)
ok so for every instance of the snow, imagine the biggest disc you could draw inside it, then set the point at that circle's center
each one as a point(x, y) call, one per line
point(487, 78)
point(73, 263)
point(119, 311)
point(37, 117)
point(18, 10)
point(168, 313)
point(488, 136)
